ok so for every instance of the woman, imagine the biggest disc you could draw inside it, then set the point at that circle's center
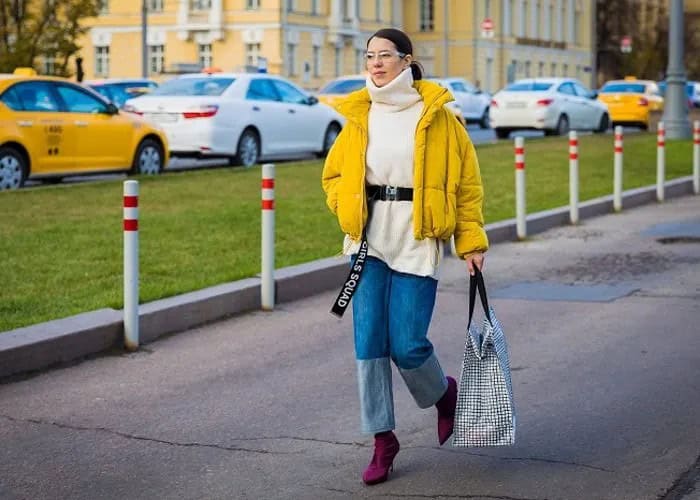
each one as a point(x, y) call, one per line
point(402, 149)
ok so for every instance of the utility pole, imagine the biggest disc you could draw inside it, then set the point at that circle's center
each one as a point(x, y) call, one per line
point(675, 107)
point(144, 39)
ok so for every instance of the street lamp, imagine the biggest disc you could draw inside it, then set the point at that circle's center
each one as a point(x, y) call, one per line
point(676, 102)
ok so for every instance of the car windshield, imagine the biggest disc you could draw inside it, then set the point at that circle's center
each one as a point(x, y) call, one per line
point(689, 87)
point(529, 86)
point(119, 93)
point(194, 86)
point(342, 87)
point(636, 88)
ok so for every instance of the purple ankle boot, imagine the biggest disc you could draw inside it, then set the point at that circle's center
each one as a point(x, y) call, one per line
point(446, 411)
point(386, 447)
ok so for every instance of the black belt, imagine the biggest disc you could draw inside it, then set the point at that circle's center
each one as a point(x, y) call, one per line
point(389, 193)
point(374, 193)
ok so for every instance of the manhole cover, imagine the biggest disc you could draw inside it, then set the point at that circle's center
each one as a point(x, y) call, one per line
point(540, 290)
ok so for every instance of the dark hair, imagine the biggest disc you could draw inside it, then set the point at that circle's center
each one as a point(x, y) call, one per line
point(403, 45)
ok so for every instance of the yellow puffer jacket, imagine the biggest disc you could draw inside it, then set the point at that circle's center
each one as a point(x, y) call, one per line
point(447, 190)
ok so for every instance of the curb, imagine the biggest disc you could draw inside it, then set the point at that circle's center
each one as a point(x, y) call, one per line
point(43, 345)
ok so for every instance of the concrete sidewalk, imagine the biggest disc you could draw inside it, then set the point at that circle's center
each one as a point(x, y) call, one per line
point(56, 342)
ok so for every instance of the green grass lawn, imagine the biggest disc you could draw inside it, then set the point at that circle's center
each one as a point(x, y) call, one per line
point(61, 246)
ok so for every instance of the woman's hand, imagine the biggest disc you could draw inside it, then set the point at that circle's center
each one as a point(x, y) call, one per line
point(475, 259)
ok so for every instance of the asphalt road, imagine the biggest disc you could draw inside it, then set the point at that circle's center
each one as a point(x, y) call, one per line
point(602, 323)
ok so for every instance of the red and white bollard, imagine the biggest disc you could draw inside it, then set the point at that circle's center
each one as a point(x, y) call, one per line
point(696, 157)
point(617, 175)
point(660, 161)
point(267, 286)
point(520, 201)
point(131, 265)
point(573, 177)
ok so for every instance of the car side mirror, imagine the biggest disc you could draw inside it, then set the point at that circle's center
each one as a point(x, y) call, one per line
point(112, 109)
point(593, 94)
point(312, 100)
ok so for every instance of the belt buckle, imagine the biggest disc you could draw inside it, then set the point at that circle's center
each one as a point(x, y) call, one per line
point(391, 193)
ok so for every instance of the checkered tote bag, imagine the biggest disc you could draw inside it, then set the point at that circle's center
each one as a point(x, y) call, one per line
point(485, 413)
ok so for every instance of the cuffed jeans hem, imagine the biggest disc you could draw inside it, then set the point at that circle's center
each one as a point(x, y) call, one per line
point(376, 394)
point(427, 383)
point(379, 429)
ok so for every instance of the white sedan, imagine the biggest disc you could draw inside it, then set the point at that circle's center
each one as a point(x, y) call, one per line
point(554, 105)
point(473, 102)
point(246, 117)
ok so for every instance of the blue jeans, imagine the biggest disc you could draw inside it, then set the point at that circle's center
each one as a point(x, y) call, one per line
point(391, 315)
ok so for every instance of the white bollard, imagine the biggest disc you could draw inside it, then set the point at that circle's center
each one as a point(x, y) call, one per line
point(131, 265)
point(696, 157)
point(617, 177)
point(573, 177)
point(660, 161)
point(520, 201)
point(267, 286)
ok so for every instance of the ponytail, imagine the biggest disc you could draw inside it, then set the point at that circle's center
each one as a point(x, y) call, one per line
point(416, 70)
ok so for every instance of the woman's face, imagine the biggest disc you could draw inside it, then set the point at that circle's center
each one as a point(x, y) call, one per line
point(384, 62)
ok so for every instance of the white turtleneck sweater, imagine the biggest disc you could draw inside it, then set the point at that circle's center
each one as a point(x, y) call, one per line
point(393, 116)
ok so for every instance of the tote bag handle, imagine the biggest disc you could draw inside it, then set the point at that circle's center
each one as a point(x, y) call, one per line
point(476, 281)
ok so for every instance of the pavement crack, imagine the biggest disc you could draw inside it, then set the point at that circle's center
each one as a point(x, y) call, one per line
point(303, 439)
point(419, 495)
point(516, 459)
point(142, 438)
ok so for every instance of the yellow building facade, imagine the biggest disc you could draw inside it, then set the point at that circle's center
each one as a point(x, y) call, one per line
point(313, 41)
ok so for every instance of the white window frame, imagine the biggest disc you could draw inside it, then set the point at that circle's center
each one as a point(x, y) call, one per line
point(252, 53)
point(291, 59)
point(155, 5)
point(378, 10)
point(315, 8)
point(156, 59)
point(290, 5)
point(204, 54)
point(252, 4)
point(102, 60)
point(48, 65)
point(103, 7)
point(338, 61)
point(200, 4)
point(426, 15)
point(316, 62)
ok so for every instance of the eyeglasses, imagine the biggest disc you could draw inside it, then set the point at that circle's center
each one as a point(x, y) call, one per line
point(383, 55)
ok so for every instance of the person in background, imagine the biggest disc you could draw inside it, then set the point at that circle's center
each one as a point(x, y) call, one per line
point(404, 174)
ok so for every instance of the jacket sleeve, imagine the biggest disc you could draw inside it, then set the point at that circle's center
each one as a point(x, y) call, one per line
point(332, 172)
point(470, 236)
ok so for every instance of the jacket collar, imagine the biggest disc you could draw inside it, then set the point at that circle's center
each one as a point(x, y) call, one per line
point(355, 107)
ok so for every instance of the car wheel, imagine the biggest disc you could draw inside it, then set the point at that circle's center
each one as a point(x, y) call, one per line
point(13, 168)
point(644, 126)
point(604, 124)
point(484, 121)
point(562, 125)
point(329, 138)
point(248, 150)
point(502, 133)
point(148, 159)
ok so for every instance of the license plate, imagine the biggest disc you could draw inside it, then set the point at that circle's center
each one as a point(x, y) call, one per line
point(162, 117)
point(515, 104)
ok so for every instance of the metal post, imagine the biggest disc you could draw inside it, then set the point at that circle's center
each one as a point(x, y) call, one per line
point(131, 265)
point(660, 161)
point(617, 177)
point(573, 177)
point(520, 201)
point(267, 287)
point(675, 106)
point(144, 39)
point(696, 157)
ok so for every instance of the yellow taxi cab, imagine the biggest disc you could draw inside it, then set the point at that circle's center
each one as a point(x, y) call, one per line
point(51, 128)
point(339, 88)
point(630, 100)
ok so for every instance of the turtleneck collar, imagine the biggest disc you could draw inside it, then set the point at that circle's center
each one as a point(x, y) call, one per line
point(396, 95)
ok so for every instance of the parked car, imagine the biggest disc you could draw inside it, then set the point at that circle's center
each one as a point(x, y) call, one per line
point(474, 102)
point(119, 90)
point(52, 128)
point(245, 117)
point(630, 101)
point(339, 88)
point(554, 105)
point(692, 90)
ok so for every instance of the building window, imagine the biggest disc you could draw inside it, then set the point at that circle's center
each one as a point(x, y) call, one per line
point(378, 10)
point(317, 62)
point(101, 61)
point(290, 5)
point(527, 69)
point(103, 6)
point(204, 50)
point(252, 4)
point(579, 74)
point(553, 69)
point(48, 66)
point(252, 53)
point(359, 60)
point(314, 7)
point(338, 61)
point(487, 8)
point(291, 59)
point(156, 58)
point(200, 4)
point(426, 15)
point(155, 6)
point(564, 70)
point(540, 70)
